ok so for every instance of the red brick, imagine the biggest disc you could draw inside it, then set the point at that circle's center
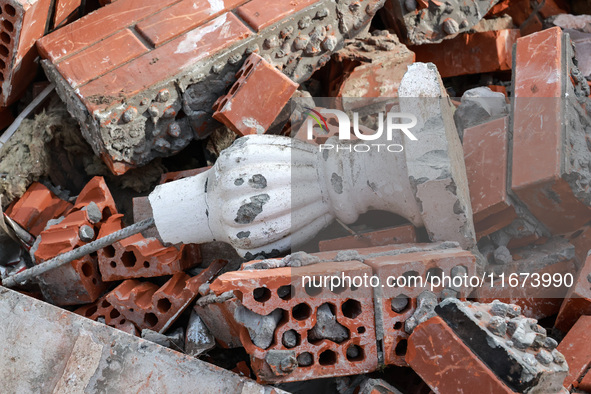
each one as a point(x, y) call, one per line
point(97, 59)
point(103, 309)
point(365, 68)
point(219, 319)
point(578, 299)
point(470, 53)
point(575, 348)
point(260, 14)
point(581, 239)
point(36, 207)
point(446, 364)
point(416, 264)
point(175, 176)
point(395, 235)
point(536, 302)
point(486, 158)
point(258, 85)
point(66, 11)
point(354, 310)
point(151, 307)
point(140, 257)
point(97, 26)
point(180, 18)
point(541, 72)
point(23, 23)
point(173, 58)
point(80, 281)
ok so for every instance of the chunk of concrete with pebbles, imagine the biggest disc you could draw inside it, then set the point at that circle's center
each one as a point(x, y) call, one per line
point(435, 162)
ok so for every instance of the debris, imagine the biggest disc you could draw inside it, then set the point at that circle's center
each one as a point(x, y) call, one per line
point(553, 192)
point(515, 358)
point(258, 85)
point(448, 56)
point(198, 338)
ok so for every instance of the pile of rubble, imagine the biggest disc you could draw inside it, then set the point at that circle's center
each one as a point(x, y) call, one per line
point(260, 258)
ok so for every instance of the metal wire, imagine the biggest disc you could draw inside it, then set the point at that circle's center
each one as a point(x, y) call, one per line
point(78, 253)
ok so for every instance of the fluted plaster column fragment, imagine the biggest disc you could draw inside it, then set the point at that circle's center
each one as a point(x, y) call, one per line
point(435, 162)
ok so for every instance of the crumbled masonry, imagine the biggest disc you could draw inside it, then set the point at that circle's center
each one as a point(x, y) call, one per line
point(328, 196)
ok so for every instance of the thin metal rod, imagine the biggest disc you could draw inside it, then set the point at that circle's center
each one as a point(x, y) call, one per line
point(78, 253)
point(30, 108)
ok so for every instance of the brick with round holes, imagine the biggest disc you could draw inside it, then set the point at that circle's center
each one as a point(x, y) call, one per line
point(399, 303)
point(80, 281)
point(141, 257)
point(101, 308)
point(262, 291)
point(157, 308)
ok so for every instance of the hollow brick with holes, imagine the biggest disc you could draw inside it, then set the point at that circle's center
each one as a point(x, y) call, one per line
point(80, 281)
point(399, 303)
point(141, 257)
point(263, 291)
point(157, 308)
point(36, 207)
point(102, 309)
point(22, 23)
point(256, 98)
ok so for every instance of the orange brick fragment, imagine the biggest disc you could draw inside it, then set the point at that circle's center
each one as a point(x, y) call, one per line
point(36, 207)
point(470, 53)
point(258, 85)
point(140, 257)
point(395, 235)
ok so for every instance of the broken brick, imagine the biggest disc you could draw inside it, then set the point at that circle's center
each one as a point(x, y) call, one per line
point(514, 349)
point(129, 106)
point(78, 282)
point(446, 364)
point(486, 156)
point(369, 67)
point(152, 307)
point(265, 291)
point(398, 304)
point(66, 11)
point(544, 160)
point(102, 309)
point(575, 348)
point(140, 257)
point(258, 85)
point(554, 257)
point(23, 23)
point(464, 54)
point(36, 207)
point(578, 299)
point(175, 176)
point(423, 22)
point(395, 235)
